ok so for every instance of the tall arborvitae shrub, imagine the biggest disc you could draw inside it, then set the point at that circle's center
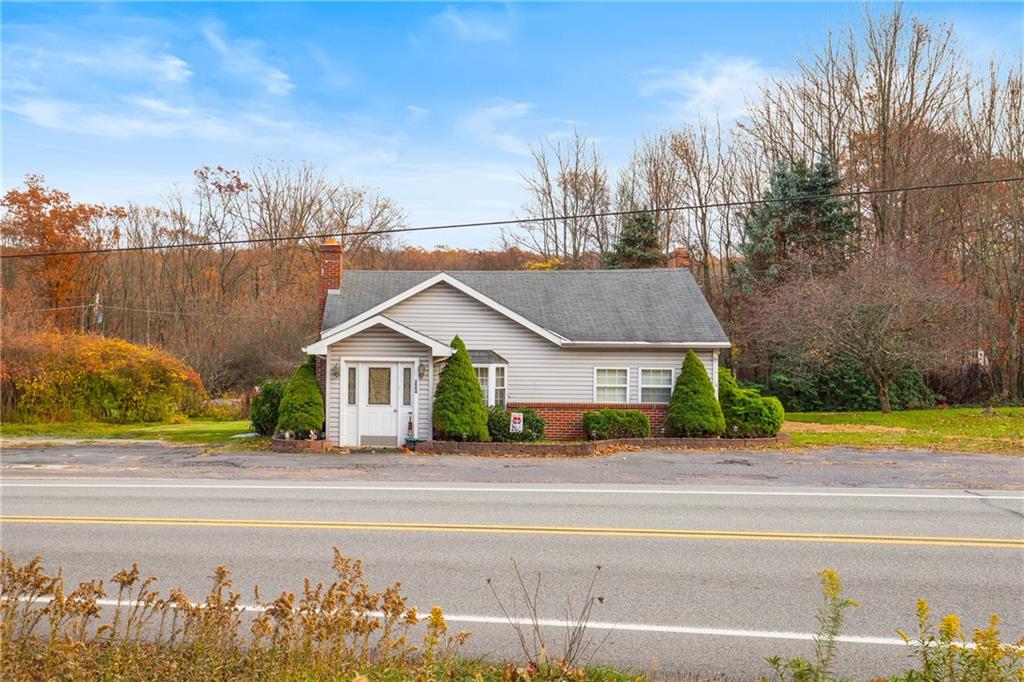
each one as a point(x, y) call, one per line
point(302, 406)
point(747, 413)
point(459, 409)
point(693, 410)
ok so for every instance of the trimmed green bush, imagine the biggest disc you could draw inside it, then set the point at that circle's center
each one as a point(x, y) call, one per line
point(747, 413)
point(302, 407)
point(265, 406)
point(499, 423)
point(459, 409)
point(693, 410)
point(610, 423)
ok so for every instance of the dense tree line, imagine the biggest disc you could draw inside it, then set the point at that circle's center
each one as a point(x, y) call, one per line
point(890, 101)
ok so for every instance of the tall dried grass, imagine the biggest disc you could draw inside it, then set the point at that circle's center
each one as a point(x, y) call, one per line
point(338, 631)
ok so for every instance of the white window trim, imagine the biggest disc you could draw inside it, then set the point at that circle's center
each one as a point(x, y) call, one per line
point(493, 384)
point(489, 398)
point(623, 369)
point(640, 382)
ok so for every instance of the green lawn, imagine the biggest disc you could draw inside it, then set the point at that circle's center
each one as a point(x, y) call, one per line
point(960, 428)
point(203, 432)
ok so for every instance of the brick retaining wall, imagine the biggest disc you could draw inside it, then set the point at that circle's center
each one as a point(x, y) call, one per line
point(282, 445)
point(592, 447)
point(564, 421)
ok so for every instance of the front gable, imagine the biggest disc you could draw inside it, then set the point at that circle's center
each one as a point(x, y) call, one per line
point(441, 279)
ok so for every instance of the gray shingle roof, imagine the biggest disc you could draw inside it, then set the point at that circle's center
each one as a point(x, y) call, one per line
point(486, 357)
point(657, 306)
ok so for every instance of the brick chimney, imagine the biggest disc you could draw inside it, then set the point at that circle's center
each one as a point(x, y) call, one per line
point(679, 257)
point(332, 269)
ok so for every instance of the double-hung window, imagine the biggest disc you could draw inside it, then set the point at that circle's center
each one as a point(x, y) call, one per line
point(500, 396)
point(483, 375)
point(655, 385)
point(611, 385)
point(492, 383)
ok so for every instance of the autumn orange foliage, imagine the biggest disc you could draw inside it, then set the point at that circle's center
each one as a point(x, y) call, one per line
point(41, 219)
point(57, 376)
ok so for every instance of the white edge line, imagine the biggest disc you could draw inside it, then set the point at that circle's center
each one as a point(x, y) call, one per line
point(600, 625)
point(559, 491)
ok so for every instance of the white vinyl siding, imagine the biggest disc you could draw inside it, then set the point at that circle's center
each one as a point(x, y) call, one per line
point(538, 370)
point(611, 385)
point(376, 342)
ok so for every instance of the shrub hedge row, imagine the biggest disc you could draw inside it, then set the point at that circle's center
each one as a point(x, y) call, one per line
point(747, 413)
point(611, 423)
point(67, 376)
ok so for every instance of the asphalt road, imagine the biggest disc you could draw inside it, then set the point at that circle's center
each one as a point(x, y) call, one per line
point(694, 579)
point(837, 466)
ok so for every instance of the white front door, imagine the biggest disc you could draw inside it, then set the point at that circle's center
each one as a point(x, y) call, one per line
point(378, 403)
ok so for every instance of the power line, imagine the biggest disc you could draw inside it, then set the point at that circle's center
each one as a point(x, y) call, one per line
point(515, 221)
point(107, 306)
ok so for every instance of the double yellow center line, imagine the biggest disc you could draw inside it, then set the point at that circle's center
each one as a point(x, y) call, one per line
point(671, 533)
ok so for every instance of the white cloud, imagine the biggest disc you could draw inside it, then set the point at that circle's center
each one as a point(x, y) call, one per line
point(481, 26)
point(483, 123)
point(126, 58)
point(242, 58)
point(416, 113)
point(174, 69)
point(715, 85)
point(130, 117)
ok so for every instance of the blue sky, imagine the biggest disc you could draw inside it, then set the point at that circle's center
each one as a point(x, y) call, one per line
point(434, 104)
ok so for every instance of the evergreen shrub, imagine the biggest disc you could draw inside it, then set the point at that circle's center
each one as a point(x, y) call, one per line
point(612, 423)
point(693, 410)
point(264, 411)
point(302, 406)
point(459, 409)
point(747, 414)
point(499, 422)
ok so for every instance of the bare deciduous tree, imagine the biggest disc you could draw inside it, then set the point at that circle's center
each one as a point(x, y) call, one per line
point(568, 186)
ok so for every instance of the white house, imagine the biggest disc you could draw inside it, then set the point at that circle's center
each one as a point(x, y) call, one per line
point(562, 342)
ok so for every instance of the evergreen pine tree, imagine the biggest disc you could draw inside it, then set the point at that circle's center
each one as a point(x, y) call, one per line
point(459, 409)
point(638, 246)
point(811, 234)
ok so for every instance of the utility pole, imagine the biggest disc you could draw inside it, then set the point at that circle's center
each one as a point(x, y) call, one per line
point(97, 312)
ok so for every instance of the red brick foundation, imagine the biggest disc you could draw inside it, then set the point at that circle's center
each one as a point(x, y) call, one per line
point(564, 421)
